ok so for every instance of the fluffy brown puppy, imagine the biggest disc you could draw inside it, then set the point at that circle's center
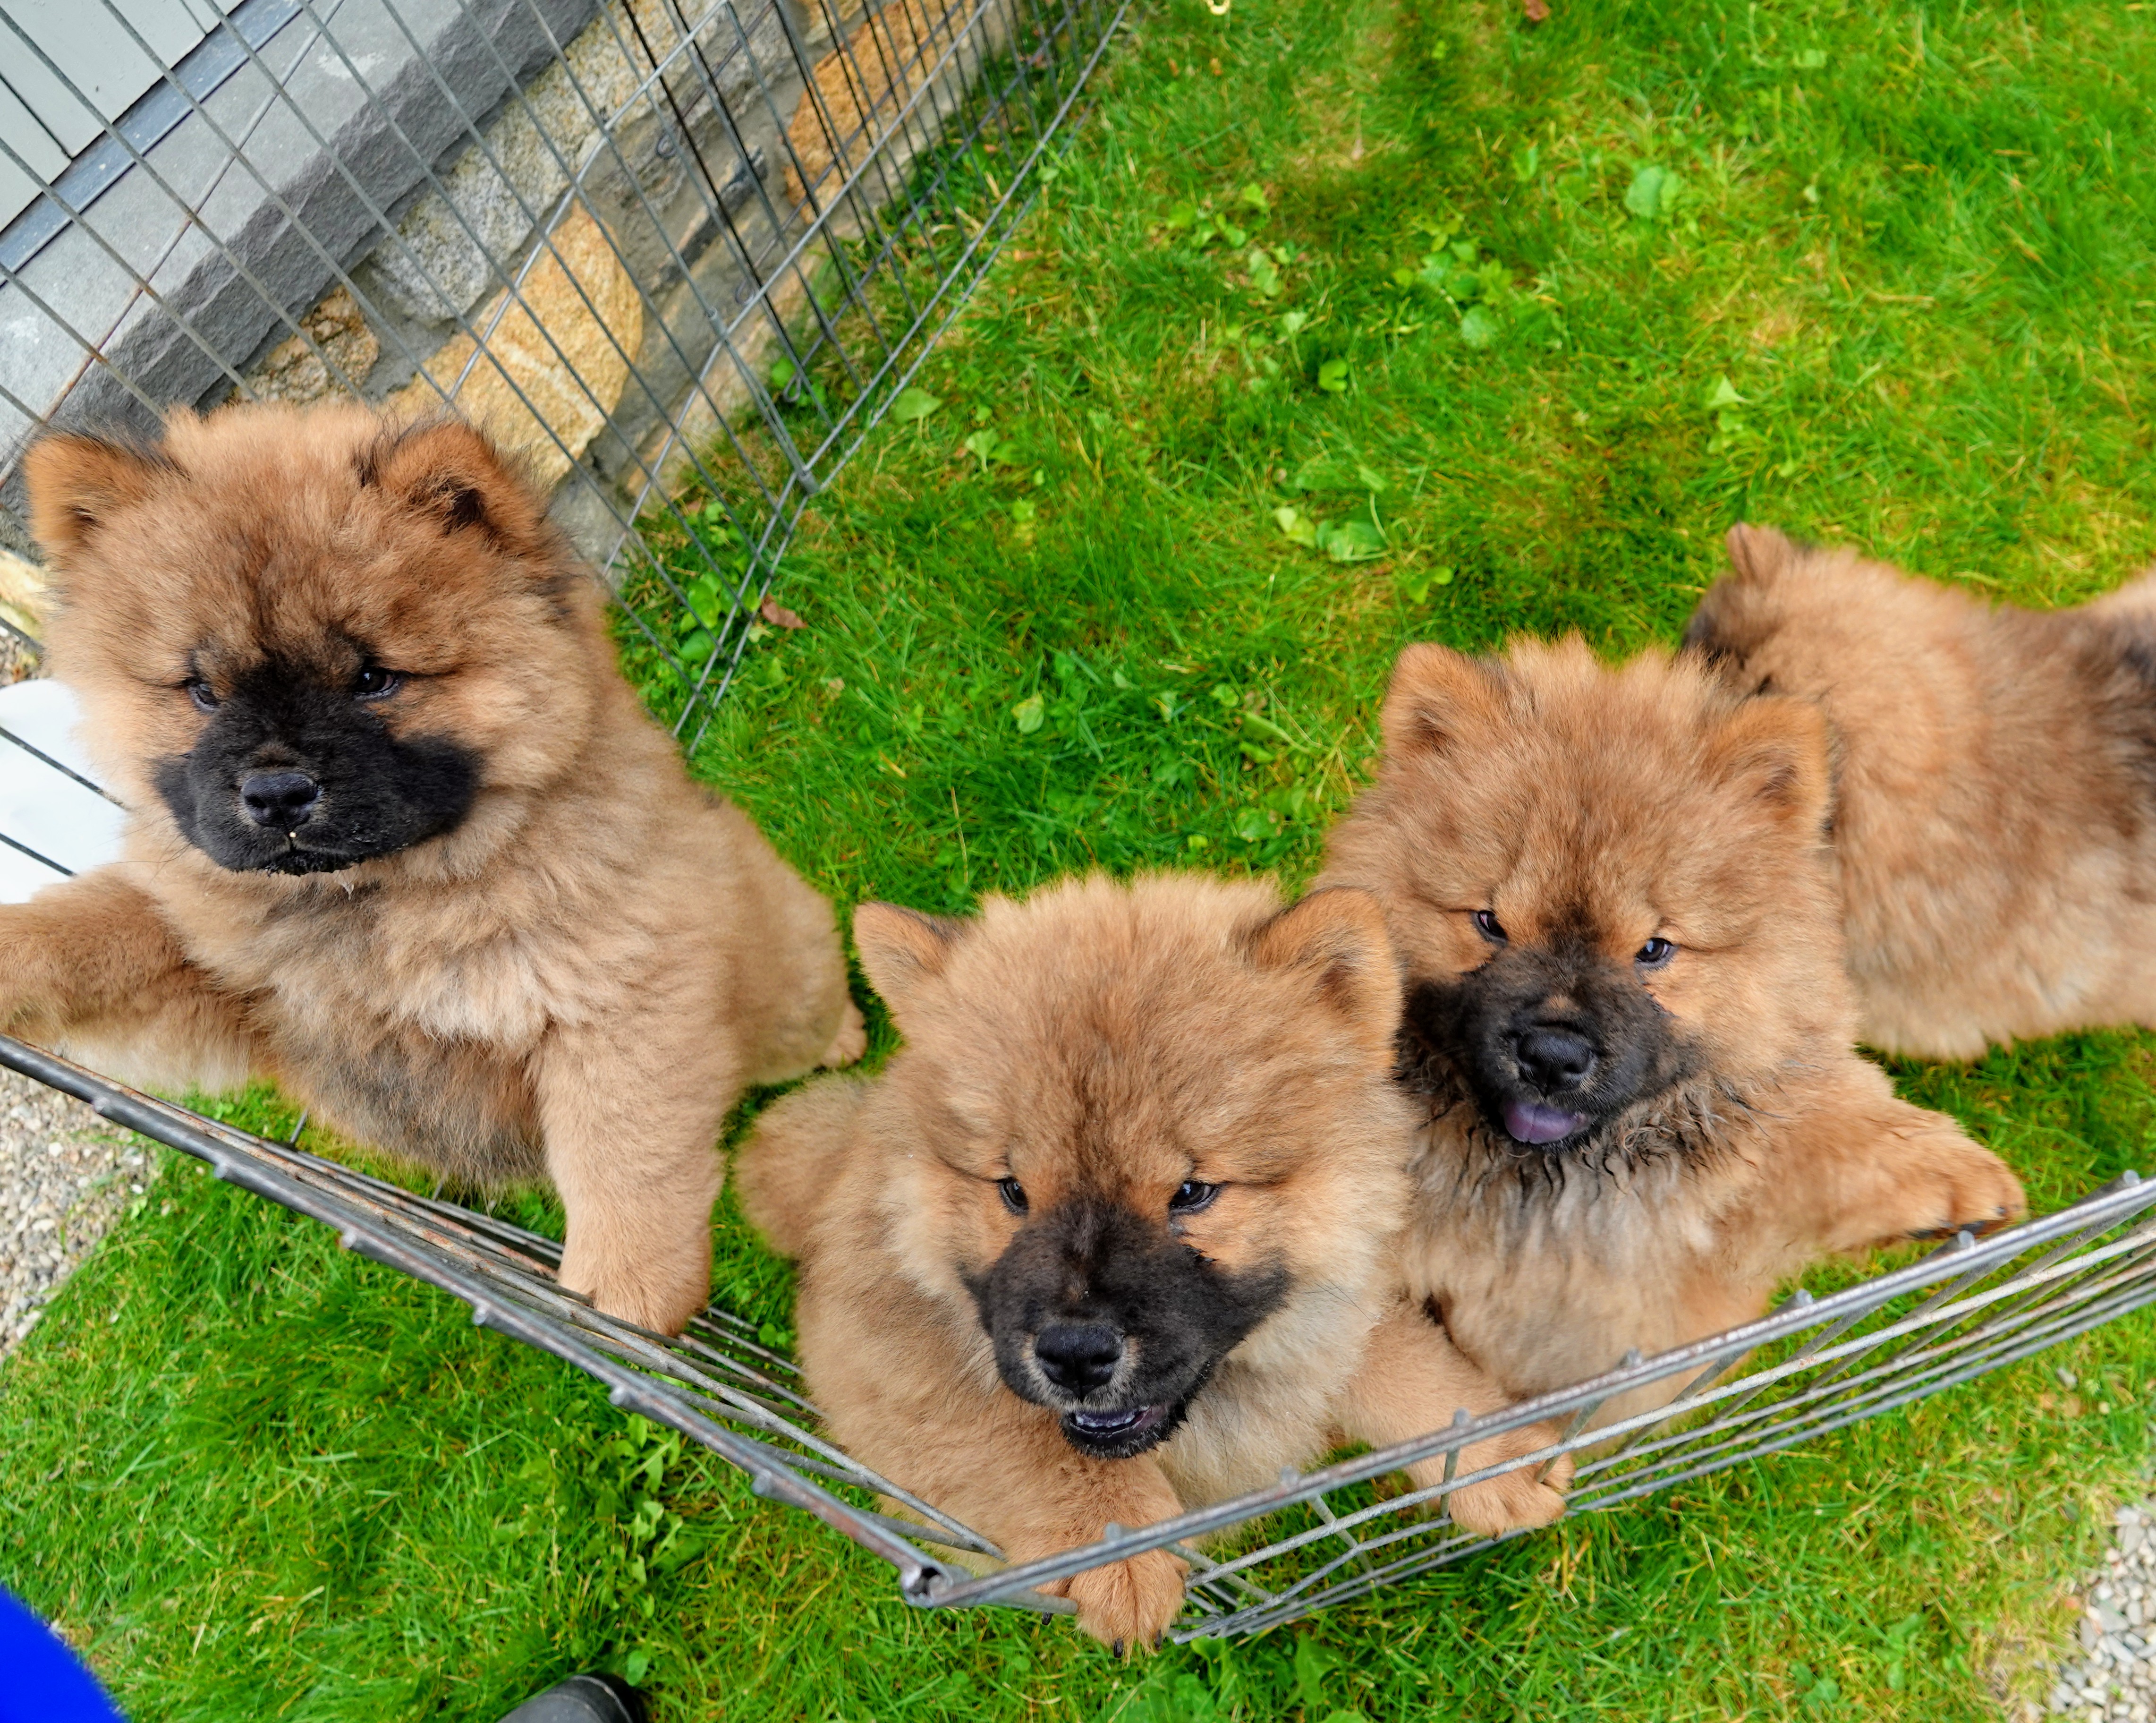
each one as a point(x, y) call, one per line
point(400, 836)
point(1626, 1019)
point(1994, 823)
point(1115, 1235)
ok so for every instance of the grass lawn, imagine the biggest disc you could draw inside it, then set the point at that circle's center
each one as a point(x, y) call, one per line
point(1537, 313)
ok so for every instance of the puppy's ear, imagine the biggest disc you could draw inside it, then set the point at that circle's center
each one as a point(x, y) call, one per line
point(1438, 698)
point(901, 948)
point(1758, 552)
point(78, 484)
point(1337, 937)
point(1775, 750)
point(444, 469)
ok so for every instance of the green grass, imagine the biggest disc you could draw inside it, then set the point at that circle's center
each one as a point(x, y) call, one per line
point(1880, 273)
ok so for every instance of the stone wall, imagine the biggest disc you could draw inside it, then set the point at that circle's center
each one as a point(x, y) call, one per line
point(660, 230)
point(596, 269)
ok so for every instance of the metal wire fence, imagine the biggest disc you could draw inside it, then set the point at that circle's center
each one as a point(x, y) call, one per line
point(1316, 1539)
point(682, 253)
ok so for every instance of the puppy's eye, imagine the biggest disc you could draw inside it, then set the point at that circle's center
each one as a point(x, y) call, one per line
point(1657, 952)
point(374, 681)
point(1489, 927)
point(203, 696)
point(1014, 1195)
point(1190, 1196)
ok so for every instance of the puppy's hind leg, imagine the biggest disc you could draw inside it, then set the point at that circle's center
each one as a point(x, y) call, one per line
point(90, 966)
point(630, 1118)
point(790, 968)
point(1411, 1381)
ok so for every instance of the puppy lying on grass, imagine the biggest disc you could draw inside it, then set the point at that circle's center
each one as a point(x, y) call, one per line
point(400, 836)
point(1994, 817)
point(1116, 1234)
point(1627, 1026)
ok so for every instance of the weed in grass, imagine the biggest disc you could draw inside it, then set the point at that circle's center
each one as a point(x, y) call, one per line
point(1540, 311)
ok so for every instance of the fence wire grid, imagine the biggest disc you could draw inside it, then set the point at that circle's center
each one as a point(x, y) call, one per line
point(682, 253)
point(1315, 1540)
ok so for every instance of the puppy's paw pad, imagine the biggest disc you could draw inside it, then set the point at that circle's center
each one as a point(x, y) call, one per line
point(851, 1041)
point(1129, 1603)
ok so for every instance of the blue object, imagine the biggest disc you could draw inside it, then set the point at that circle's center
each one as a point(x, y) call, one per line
point(40, 1681)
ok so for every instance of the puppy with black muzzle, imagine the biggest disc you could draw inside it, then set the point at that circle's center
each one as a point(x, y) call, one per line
point(400, 836)
point(1627, 1026)
point(1118, 1233)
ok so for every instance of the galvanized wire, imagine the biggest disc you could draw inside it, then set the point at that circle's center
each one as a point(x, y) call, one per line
point(1314, 1540)
point(805, 183)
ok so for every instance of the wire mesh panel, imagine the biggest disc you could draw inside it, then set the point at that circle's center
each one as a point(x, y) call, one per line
point(682, 254)
point(1316, 1539)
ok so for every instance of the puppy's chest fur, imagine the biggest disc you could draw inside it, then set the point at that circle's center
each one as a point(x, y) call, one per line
point(1547, 1267)
point(408, 1016)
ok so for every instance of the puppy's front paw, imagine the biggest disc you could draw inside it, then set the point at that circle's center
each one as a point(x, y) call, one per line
point(1127, 1605)
point(1950, 1185)
point(851, 1041)
point(660, 1302)
point(1514, 1500)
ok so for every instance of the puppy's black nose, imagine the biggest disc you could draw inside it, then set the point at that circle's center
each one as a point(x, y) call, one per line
point(281, 799)
point(1552, 1059)
point(1078, 1356)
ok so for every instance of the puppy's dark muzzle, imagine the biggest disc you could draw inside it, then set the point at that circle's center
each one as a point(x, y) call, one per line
point(1103, 1317)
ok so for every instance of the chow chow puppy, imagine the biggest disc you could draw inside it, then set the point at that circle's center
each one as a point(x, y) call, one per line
point(1994, 810)
point(1626, 1020)
point(400, 836)
point(1116, 1234)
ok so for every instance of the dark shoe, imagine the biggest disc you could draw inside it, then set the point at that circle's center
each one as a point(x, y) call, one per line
point(583, 1698)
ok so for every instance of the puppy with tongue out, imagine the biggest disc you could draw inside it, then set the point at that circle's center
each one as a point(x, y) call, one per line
point(1626, 1023)
point(1116, 1234)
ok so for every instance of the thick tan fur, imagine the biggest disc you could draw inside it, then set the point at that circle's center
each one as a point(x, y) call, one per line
point(1615, 806)
point(577, 980)
point(1118, 1041)
point(1995, 823)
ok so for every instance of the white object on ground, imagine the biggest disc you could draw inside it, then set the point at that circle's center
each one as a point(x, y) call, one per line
point(42, 808)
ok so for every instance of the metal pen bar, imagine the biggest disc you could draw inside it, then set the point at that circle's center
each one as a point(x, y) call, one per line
point(60, 766)
point(24, 849)
point(2097, 1285)
point(1201, 1522)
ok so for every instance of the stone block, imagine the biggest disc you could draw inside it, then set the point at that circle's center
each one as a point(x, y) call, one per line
point(556, 357)
point(293, 371)
point(451, 246)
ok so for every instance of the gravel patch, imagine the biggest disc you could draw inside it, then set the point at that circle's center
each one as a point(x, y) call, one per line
point(2114, 1677)
point(66, 1176)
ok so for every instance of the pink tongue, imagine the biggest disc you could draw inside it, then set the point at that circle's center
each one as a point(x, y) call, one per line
point(1531, 1121)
